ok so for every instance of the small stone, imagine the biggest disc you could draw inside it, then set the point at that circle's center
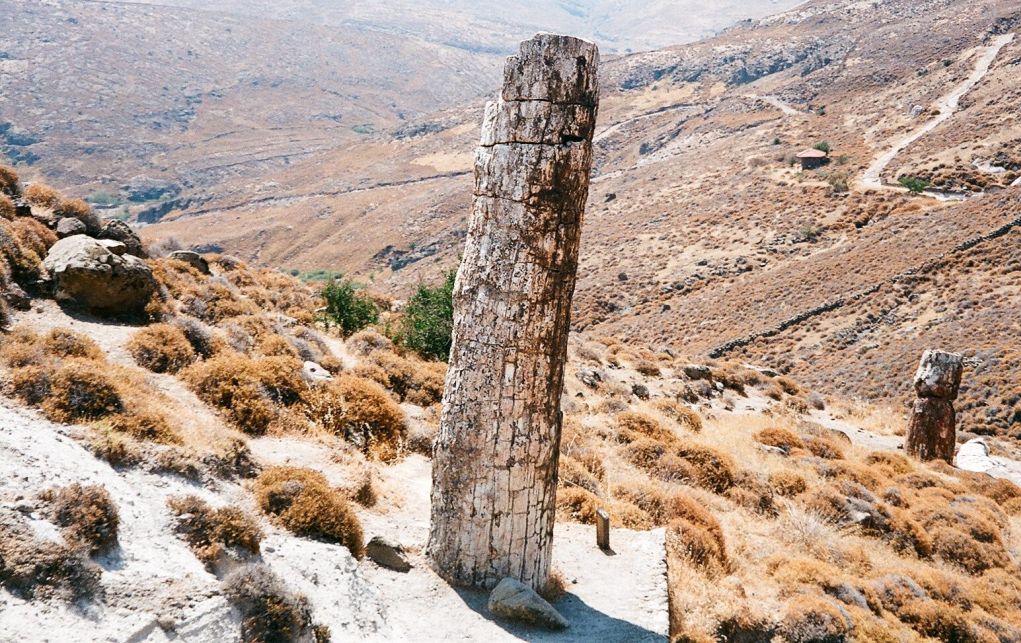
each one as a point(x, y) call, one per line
point(698, 372)
point(314, 374)
point(387, 553)
point(69, 226)
point(641, 391)
point(193, 259)
point(516, 601)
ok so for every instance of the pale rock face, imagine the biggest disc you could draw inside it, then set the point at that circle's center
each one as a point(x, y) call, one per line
point(495, 460)
point(314, 374)
point(87, 272)
point(939, 375)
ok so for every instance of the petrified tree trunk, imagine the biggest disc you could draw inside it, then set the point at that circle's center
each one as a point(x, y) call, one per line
point(495, 460)
point(932, 432)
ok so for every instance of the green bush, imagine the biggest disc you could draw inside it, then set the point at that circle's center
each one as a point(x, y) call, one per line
point(824, 147)
point(913, 184)
point(347, 308)
point(429, 320)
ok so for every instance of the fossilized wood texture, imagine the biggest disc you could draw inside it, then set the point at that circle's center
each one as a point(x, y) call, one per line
point(939, 375)
point(932, 432)
point(495, 459)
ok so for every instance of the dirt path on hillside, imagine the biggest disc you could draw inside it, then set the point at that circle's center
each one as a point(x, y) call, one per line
point(948, 106)
point(614, 128)
point(777, 103)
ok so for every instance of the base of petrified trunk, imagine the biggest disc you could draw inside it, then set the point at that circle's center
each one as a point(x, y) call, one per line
point(932, 432)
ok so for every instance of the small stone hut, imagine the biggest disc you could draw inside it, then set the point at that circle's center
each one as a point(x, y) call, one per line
point(812, 159)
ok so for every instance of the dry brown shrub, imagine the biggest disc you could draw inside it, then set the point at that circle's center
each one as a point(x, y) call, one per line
point(21, 347)
point(6, 207)
point(87, 515)
point(555, 587)
point(1012, 507)
point(273, 345)
point(632, 425)
point(63, 342)
point(10, 182)
point(31, 383)
point(413, 380)
point(145, 424)
point(362, 412)
point(269, 612)
point(752, 491)
point(332, 364)
point(231, 383)
point(648, 368)
point(960, 548)
point(779, 438)
point(823, 448)
point(712, 469)
point(113, 449)
point(895, 462)
point(303, 502)
point(42, 195)
point(787, 483)
point(81, 390)
point(161, 348)
point(571, 472)
point(695, 535)
point(578, 505)
point(814, 619)
point(367, 341)
point(938, 620)
point(35, 568)
point(997, 591)
point(215, 535)
point(789, 386)
point(680, 413)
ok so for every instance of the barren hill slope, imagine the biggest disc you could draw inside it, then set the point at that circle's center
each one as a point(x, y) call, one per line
point(700, 232)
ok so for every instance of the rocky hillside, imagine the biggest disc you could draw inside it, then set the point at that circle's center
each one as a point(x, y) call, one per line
point(834, 274)
point(211, 459)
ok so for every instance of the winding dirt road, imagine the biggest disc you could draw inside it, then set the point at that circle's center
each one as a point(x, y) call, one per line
point(948, 105)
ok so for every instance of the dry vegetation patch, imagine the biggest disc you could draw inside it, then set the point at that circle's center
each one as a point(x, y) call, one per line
point(303, 501)
point(217, 536)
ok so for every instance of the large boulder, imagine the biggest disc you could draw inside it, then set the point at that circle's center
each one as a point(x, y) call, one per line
point(939, 375)
point(120, 231)
point(86, 272)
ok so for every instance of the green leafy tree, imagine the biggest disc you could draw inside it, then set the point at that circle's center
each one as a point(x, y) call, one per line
point(428, 320)
point(824, 147)
point(347, 308)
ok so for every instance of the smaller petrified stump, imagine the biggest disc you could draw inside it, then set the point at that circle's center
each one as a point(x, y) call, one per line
point(932, 432)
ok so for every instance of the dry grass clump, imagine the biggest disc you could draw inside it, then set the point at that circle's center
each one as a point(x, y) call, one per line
point(894, 462)
point(787, 483)
point(269, 612)
point(7, 210)
point(161, 348)
point(779, 438)
point(63, 342)
point(361, 412)
point(42, 195)
point(246, 391)
point(573, 472)
point(814, 619)
point(367, 341)
point(648, 368)
point(81, 392)
point(680, 413)
point(682, 461)
point(303, 502)
point(217, 536)
point(633, 425)
point(411, 379)
point(30, 567)
point(695, 535)
point(10, 182)
point(824, 448)
point(87, 515)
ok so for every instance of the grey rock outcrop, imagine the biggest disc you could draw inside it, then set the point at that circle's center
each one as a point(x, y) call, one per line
point(85, 271)
point(120, 231)
point(516, 601)
point(69, 226)
point(193, 259)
